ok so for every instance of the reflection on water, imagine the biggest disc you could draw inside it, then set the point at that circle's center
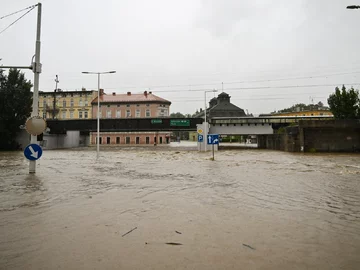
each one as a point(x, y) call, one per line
point(293, 210)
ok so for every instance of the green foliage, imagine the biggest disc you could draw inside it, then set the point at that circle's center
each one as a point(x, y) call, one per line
point(281, 130)
point(303, 107)
point(177, 115)
point(15, 106)
point(345, 104)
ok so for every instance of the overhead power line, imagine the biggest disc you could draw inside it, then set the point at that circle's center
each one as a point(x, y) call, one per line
point(247, 88)
point(239, 99)
point(234, 82)
point(258, 88)
point(17, 12)
point(17, 19)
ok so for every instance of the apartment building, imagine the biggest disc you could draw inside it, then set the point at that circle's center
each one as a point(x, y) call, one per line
point(129, 105)
point(66, 105)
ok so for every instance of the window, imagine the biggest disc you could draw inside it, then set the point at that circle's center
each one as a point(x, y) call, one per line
point(86, 102)
point(148, 114)
point(128, 105)
point(127, 140)
point(160, 140)
point(108, 114)
point(137, 105)
point(64, 103)
point(162, 112)
point(118, 114)
point(100, 114)
point(147, 140)
point(137, 140)
point(44, 104)
point(44, 115)
point(117, 140)
point(80, 102)
point(118, 105)
point(71, 102)
point(147, 105)
point(63, 115)
point(107, 140)
point(128, 114)
point(108, 106)
point(85, 114)
point(137, 113)
point(80, 115)
point(71, 115)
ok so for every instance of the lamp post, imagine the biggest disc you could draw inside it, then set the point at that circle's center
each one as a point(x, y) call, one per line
point(205, 122)
point(98, 109)
point(353, 7)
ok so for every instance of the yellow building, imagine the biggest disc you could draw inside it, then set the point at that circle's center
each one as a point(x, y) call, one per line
point(66, 104)
point(306, 113)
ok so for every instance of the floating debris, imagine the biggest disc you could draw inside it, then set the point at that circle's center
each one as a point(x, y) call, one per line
point(245, 245)
point(129, 232)
point(178, 232)
point(173, 244)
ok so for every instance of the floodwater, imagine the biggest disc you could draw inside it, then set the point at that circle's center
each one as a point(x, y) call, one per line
point(174, 208)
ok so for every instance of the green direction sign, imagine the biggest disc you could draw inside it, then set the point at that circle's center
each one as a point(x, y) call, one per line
point(179, 123)
point(156, 121)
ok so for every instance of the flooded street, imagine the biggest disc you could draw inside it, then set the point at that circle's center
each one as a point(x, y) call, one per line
point(248, 209)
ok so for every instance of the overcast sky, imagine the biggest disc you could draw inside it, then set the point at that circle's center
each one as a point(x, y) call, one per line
point(259, 49)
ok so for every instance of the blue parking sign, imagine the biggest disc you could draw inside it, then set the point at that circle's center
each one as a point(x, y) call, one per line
point(200, 138)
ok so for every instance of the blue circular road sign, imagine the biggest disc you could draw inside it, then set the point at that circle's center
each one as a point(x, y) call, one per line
point(33, 152)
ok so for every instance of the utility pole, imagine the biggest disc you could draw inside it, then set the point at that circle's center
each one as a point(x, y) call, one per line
point(205, 120)
point(36, 68)
point(37, 71)
point(54, 101)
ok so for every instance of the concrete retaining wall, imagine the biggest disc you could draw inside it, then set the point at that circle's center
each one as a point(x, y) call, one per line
point(316, 136)
point(71, 139)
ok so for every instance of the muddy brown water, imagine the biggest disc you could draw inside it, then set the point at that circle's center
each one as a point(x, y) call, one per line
point(171, 208)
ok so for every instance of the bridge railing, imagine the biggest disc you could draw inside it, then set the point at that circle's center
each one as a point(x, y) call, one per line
point(266, 120)
point(125, 124)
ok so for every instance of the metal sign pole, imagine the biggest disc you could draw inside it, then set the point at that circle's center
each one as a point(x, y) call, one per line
point(37, 71)
point(213, 152)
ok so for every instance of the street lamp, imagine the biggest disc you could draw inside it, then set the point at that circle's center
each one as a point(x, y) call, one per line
point(205, 123)
point(353, 7)
point(98, 108)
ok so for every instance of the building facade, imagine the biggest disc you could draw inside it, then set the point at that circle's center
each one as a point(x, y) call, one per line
point(320, 112)
point(144, 105)
point(221, 106)
point(131, 106)
point(66, 105)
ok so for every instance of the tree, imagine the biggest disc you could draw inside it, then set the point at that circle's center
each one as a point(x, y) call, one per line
point(15, 106)
point(345, 104)
point(177, 115)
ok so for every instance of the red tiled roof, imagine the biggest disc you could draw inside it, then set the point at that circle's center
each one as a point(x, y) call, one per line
point(132, 98)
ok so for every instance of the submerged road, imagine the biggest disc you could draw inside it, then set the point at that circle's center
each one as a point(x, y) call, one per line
point(171, 208)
